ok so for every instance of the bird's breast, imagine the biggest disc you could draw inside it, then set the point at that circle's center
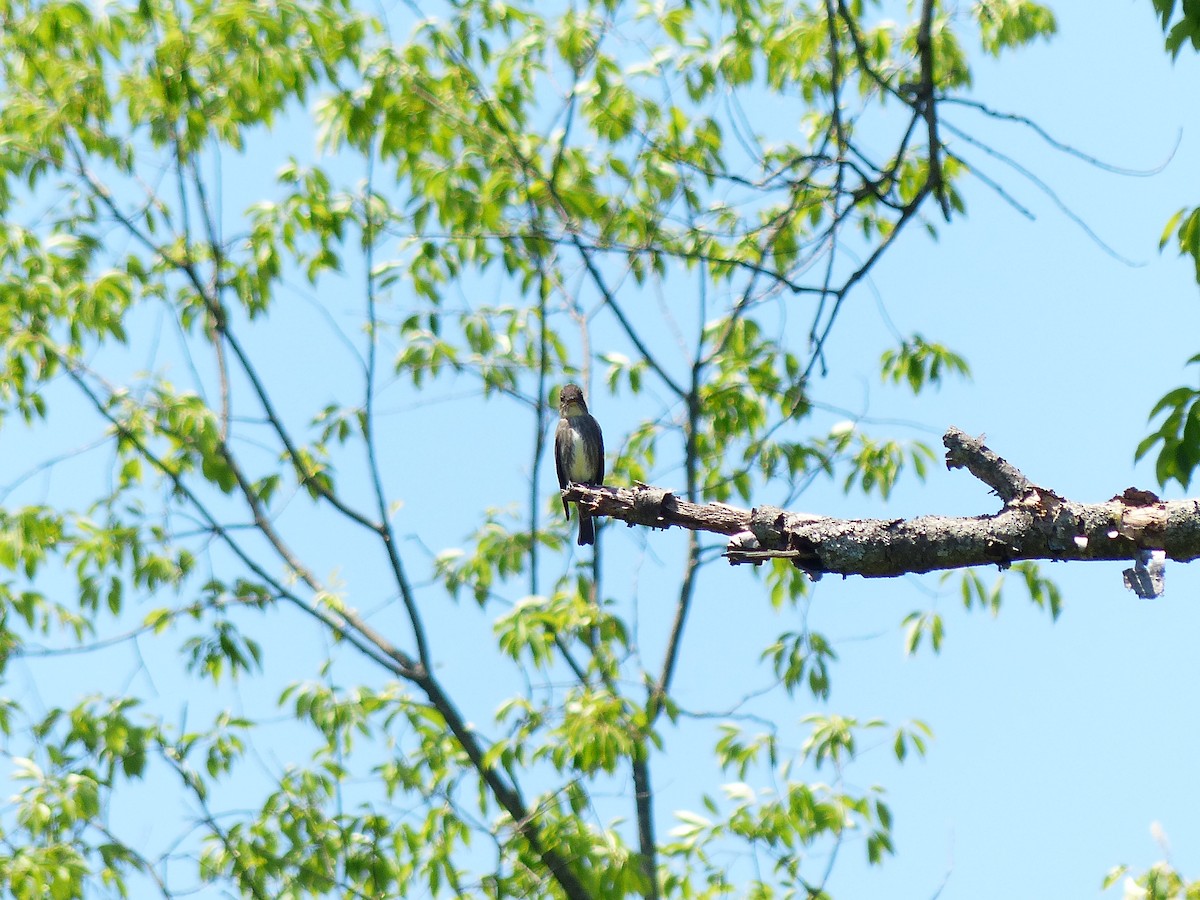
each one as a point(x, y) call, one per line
point(583, 457)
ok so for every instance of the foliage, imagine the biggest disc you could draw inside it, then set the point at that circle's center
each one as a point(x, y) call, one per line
point(1160, 882)
point(240, 364)
point(1179, 432)
point(1186, 28)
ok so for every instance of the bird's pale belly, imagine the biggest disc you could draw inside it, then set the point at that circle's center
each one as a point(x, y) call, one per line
point(583, 464)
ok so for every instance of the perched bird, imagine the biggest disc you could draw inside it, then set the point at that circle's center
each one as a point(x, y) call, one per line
point(578, 452)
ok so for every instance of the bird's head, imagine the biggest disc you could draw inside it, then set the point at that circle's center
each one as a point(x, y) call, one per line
point(570, 401)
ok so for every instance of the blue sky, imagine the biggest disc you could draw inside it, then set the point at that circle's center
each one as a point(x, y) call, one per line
point(1057, 744)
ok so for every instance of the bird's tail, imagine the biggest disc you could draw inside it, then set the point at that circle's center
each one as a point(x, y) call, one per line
point(587, 533)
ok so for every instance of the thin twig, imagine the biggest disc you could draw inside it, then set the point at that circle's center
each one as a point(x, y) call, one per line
point(384, 527)
point(1046, 191)
point(1052, 141)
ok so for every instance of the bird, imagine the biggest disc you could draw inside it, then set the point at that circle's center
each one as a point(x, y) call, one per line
point(578, 452)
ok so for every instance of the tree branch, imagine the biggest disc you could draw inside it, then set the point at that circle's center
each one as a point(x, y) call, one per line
point(1034, 523)
point(928, 105)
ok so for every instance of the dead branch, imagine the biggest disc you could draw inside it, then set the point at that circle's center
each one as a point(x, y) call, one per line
point(1034, 523)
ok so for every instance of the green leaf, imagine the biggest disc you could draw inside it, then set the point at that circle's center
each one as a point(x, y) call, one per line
point(1115, 874)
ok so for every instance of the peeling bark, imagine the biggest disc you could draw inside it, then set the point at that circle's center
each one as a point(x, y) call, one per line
point(1034, 523)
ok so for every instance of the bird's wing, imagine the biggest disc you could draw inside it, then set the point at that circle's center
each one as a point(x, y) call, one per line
point(600, 463)
point(594, 427)
point(561, 435)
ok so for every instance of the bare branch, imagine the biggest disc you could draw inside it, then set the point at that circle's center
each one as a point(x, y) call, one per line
point(963, 451)
point(1061, 146)
point(1034, 523)
point(1045, 188)
point(928, 105)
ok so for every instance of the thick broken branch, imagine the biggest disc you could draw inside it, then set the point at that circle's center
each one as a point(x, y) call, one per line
point(1034, 523)
point(966, 452)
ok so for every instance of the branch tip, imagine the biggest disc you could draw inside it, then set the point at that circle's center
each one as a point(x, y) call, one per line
point(966, 452)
